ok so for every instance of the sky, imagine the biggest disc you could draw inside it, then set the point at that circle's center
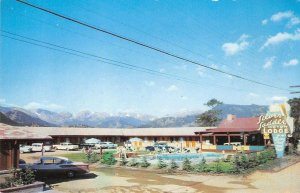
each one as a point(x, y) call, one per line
point(258, 40)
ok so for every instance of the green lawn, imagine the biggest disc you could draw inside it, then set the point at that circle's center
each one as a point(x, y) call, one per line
point(77, 157)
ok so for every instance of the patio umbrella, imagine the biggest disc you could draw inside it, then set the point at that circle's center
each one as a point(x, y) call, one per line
point(135, 139)
point(92, 141)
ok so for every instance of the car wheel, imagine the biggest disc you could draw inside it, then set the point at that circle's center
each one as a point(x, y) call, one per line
point(70, 174)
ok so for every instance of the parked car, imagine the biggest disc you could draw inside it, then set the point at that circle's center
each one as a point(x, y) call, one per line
point(57, 166)
point(106, 145)
point(150, 148)
point(25, 149)
point(234, 143)
point(39, 147)
point(66, 146)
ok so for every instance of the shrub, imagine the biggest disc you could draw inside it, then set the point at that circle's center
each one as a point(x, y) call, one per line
point(266, 155)
point(237, 168)
point(133, 163)
point(201, 167)
point(161, 164)
point(108, 158)
point(20, 177)
point(220, 167)
point(253, 162)
point(186, 165)
point(173, 165)
point(123, 161)
point(203, 161)
point(244, 161)
point(92, 157)
point(145, 163)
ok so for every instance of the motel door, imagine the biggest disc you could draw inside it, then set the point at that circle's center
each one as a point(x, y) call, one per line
point(193, 143)
point(187, 144)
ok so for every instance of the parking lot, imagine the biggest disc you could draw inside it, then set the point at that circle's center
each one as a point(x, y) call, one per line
point(34, 156)
point(134, 180)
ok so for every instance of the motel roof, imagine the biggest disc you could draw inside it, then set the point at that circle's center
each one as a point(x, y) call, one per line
point(8, 132)
point(126, 132)
point(246, 124)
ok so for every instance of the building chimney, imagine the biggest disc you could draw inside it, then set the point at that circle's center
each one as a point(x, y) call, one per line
point(230, 117)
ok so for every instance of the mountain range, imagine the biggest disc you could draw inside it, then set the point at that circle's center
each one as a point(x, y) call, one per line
point(43, 117)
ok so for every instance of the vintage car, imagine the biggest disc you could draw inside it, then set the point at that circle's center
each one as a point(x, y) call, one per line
point(25, 149)
point(40, 146)
point(57, 166)
point(66, 146)
point(106, 145)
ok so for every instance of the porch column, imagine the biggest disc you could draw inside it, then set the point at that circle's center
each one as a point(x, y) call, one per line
point(228, 137)
point(245, 139)
point(201, 140)
point(214, 139)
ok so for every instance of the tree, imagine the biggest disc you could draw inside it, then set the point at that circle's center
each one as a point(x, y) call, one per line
point(213, 103)
point(295, 113)
point(210, 117)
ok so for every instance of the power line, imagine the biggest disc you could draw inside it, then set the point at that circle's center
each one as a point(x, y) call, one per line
point(167, 41)
point(109, 61)
point(147, 46)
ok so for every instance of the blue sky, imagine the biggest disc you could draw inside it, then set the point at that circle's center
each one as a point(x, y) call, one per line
point(256, 39)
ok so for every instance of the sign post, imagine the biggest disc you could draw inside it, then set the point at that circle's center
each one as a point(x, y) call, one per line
point(276, 124)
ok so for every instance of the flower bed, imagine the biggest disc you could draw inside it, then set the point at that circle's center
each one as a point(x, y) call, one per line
point(35, 187)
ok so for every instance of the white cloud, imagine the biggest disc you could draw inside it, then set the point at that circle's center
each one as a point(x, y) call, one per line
point(162, 70)
point(2, 101)
point(294, 21)
point(279, 98)
point(172, 88)
point(214, 0)
point(149, 83)
point(214, 66)
point(254, 95)
point(282, 37)
point(200, 71)
point(292, 62)
point(48, 106)
point(269, 62)
point(231, 48)
point(229, 77)
point(181, 67)
point(281, 15)
point(264, 22)
point(184, 97)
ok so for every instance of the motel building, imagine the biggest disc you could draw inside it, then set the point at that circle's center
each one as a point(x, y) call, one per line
point(181, 137)
point(10, 139)
point(232, 134)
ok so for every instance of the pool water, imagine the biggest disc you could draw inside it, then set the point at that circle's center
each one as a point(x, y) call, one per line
point(182, 156)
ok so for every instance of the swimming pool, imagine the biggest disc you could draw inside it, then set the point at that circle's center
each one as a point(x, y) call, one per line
point(182, 156)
